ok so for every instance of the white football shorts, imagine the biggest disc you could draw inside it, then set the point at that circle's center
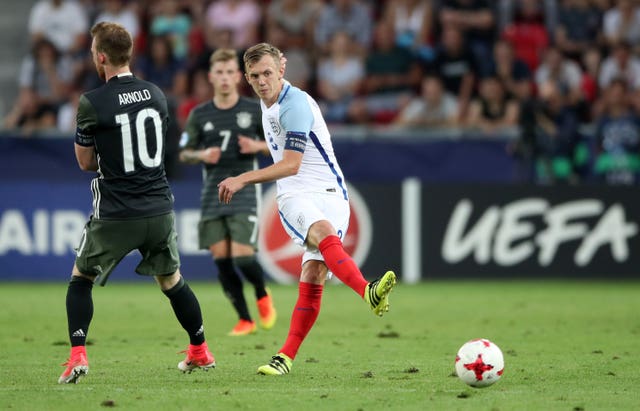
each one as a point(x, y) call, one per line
point(299, 211)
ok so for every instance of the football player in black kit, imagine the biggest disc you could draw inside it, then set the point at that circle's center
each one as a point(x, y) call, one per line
point(121, 131)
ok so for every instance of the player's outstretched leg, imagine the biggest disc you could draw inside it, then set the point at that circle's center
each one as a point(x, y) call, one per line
point(376, 293)
point(341, 264)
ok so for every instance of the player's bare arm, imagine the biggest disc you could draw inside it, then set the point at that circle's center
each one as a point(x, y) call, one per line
point(209, 155)
point(288, 166)
point(86, 157)
point(249, 145)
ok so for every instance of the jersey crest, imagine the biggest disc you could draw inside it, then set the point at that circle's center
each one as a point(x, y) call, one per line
point(243, 119)
point(275, 127)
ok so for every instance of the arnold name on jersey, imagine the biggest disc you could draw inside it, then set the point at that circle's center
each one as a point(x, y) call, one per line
point(134, 96)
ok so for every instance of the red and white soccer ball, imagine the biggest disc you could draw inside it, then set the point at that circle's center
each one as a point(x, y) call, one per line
point(479, 363)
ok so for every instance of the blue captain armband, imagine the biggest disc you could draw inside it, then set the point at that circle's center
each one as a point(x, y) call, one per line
point(83, 139)
point(295, 140)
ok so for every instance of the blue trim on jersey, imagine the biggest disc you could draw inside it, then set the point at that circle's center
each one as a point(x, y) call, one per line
point(284, 220)
point(284, 93)
point(332, 167)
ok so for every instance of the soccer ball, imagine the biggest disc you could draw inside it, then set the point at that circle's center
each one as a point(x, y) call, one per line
point(479, 363)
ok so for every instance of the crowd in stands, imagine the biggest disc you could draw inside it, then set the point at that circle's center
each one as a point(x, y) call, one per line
point(541, 67)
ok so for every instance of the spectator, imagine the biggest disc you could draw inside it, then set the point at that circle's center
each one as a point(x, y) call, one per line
point(340, 77)
point(591, 59)
point(169, 21)
point(455, 65)
point(298, 59)
point(63, 22)
point(524, 148)
point(44, 80)
point(350, 16)
point(117, 11)
point(565, 73)
point(296, 18)
point(66, 118)
point(621, 23)
point(620, 64)
point(527, 33)
point(508, 68)
point(578, 28)
point(618, 137)
point(476, 20)
point(197, 41)
point(391, 76)
point(199, 91)
point(289, 26)
point(28, 116)
point(413, 22)
point(507, 12)
point(216, 39)
point(492, 111)
point(159, 66)
point(433, 108)
point(240, 17)
point(557, 140)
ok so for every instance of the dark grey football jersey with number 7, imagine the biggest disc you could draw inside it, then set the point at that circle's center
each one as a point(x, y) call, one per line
point(209, 126)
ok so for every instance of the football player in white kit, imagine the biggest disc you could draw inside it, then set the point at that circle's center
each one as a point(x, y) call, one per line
point(312, 196)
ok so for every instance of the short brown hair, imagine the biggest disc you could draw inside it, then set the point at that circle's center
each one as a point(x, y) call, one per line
point(255, 53)
point(223, 55)
point(114, 41)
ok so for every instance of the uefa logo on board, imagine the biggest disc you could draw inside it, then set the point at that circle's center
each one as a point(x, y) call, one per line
point(281, 257)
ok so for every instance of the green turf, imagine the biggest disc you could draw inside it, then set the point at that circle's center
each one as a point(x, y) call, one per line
point(567, 345)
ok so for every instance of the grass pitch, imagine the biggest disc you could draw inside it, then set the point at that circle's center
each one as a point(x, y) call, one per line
point(568, 346)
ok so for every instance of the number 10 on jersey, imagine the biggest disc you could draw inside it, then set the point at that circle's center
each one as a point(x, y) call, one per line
point(141, 139)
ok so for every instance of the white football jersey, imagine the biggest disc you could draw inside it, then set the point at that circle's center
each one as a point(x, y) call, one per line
point(295, 122)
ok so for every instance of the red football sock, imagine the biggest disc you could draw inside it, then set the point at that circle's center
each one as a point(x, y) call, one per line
point(304, 316)
point(341, 264)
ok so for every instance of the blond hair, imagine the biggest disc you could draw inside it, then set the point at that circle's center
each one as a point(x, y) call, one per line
point(255, 53)
point(223, 55)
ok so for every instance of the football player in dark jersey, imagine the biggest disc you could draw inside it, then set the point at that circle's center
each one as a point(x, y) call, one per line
point(121, 129)
point(225, 134)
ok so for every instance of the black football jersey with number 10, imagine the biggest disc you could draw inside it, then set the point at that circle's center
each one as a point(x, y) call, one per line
point(127, 119)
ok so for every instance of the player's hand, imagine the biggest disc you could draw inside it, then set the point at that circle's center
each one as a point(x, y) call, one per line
point(211, 155)
point(247, 145)
point(228, 187)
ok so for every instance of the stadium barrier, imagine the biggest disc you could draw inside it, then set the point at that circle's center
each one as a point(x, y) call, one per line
point(427, 208)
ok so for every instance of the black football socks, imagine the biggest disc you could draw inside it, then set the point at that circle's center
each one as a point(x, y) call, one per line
point(79, 309)
point(252, 271)
point(187, 309)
